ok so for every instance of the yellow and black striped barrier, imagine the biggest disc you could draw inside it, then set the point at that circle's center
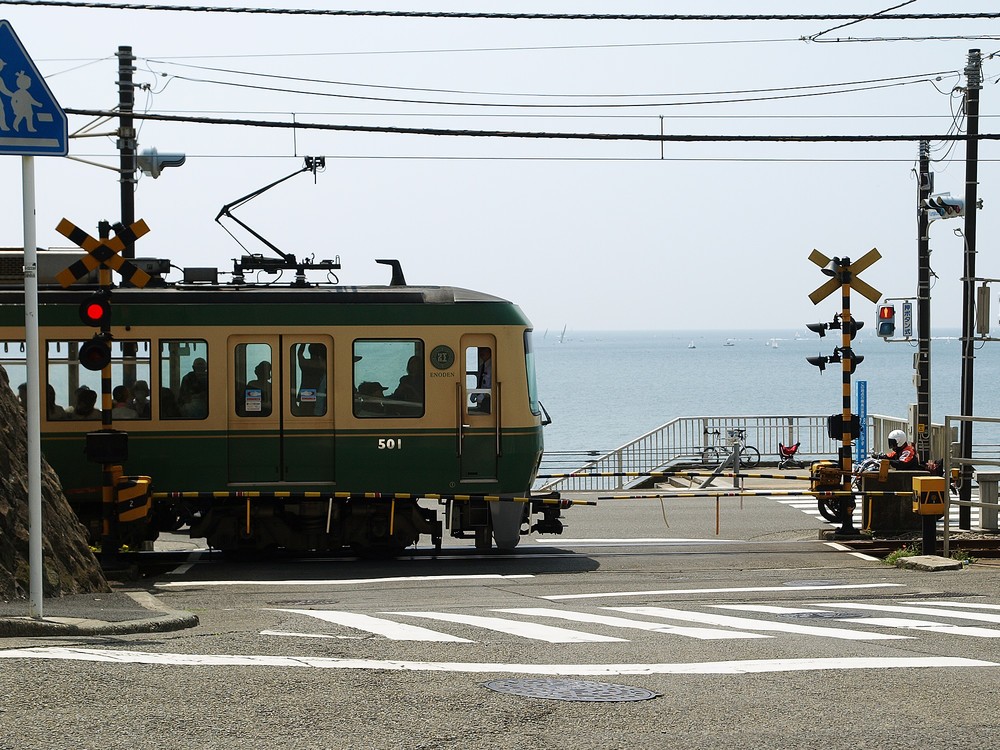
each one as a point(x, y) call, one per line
point(306, 495)
point(667, 474)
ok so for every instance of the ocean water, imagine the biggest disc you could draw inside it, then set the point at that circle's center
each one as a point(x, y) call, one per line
point(603, 389)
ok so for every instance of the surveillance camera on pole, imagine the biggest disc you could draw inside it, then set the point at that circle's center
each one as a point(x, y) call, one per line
point(152, 163)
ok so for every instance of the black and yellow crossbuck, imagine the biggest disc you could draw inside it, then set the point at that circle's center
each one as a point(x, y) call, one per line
point(103, 252)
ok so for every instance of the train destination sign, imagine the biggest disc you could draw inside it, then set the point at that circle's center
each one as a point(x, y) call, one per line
point(31, 121)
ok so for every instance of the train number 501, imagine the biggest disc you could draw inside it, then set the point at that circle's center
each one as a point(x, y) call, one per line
point(388, 444)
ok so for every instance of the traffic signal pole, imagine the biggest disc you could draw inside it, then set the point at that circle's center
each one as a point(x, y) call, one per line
point(126, 141)
point(925, 186)
point(974, 78)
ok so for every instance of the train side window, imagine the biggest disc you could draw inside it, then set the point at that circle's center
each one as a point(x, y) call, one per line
point(252, 384)
point(308, 388)
point(15, 371)
point(73, 392)
point(397, 362)
point(529, 369)
point(479, 379)
point(183, 379)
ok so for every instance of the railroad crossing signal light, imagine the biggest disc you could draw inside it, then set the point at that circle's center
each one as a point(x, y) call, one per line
point(96, 309)
point(944, 206)
point(95, 354)
point(885, 323)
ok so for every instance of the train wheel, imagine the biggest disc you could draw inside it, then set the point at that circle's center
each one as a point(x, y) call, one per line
point(506, 520)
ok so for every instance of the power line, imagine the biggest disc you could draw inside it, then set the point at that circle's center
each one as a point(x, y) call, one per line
point(684, 138)
point(300, 79)
point(502, 16)
point(503, 105)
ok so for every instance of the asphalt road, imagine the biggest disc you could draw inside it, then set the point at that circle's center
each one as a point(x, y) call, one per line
point(761, 635)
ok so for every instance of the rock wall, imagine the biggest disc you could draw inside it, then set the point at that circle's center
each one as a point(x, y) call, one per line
point(70, 566)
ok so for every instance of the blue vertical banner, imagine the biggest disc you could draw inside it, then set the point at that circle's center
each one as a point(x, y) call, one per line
point(862, 420)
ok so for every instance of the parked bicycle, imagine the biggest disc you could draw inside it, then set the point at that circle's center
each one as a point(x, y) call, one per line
point(735, 441)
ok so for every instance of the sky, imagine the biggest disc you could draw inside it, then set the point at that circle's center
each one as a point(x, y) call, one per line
point(598, 234)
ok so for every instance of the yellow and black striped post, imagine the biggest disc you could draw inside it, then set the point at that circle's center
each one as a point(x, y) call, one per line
point(103, 255)
point(844, 275)
point(847, 367)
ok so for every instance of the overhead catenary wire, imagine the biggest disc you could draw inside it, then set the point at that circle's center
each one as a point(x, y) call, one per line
point(488, 15)
point(648, 137)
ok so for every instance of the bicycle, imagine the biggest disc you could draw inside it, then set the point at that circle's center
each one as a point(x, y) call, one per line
point(735, 441)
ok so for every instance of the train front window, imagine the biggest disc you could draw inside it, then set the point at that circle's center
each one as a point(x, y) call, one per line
point(529, 368)
point(388, 378)
point(183, 379)
point(74, 392)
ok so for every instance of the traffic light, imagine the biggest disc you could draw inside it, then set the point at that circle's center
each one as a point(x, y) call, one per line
point(944, 206)
point(96, 309)
point(885, 323)
point(152, 163)
point(96, 353)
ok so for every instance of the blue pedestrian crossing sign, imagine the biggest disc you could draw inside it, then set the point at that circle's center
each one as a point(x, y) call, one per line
point(31, 121)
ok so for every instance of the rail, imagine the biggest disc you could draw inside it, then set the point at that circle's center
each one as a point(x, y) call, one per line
point(682, 440)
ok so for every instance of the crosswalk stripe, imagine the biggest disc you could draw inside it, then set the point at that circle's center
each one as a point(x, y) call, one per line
point(884, 622)
point(387, 628)
point(750, 624)
point(917, 610)
point(513, 627)
point(705, 634)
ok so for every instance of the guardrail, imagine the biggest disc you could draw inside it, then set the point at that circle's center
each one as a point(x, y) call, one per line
point(982, 455)
point(682, 441)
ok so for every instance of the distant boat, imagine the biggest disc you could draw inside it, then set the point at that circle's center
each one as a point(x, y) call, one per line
point(563, 334)
point(691, 345)
point(729, 342)
point(773, 343)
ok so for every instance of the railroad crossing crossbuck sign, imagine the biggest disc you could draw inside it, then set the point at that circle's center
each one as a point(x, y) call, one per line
point(103, 252)
point(845, 274)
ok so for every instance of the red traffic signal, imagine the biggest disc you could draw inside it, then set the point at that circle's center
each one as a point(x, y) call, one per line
point(885, 325)
point(96, 309)
point(95, 354)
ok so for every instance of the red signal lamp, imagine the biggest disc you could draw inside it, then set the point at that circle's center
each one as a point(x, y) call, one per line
point(96, 309)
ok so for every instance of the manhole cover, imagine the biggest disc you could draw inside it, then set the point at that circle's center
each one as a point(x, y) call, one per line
point(570, 690)
point(822, 615)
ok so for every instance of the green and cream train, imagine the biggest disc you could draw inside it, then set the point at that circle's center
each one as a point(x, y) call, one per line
point(303, 416)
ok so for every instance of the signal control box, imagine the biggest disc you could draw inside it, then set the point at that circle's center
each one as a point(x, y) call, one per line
point(928, 495)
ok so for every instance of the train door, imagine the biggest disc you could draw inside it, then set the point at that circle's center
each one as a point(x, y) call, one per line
point(480, 409)
point(280, 417)
point(307, 436)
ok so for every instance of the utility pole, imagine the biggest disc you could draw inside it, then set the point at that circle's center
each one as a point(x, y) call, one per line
point(126, 141)
point(925, 186)
point(974, 82)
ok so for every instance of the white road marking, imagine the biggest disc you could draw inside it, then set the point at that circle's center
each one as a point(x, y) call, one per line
point(386, 628)
point(749, 624)
point(971, 605)
point(916, 610)
point(692, 668)
point(737, 590)
point(884, 622)
point(636, 541)
point(345, 581)
point(705, 634)
point(288, 634)
point(514, 627)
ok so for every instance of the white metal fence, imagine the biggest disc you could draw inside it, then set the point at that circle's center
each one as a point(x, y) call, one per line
point(683, 440)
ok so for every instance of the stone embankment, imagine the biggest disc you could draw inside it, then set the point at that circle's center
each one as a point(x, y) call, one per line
point(70, 566)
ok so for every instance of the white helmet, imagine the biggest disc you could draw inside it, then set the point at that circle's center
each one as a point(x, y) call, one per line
point(897, 436)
